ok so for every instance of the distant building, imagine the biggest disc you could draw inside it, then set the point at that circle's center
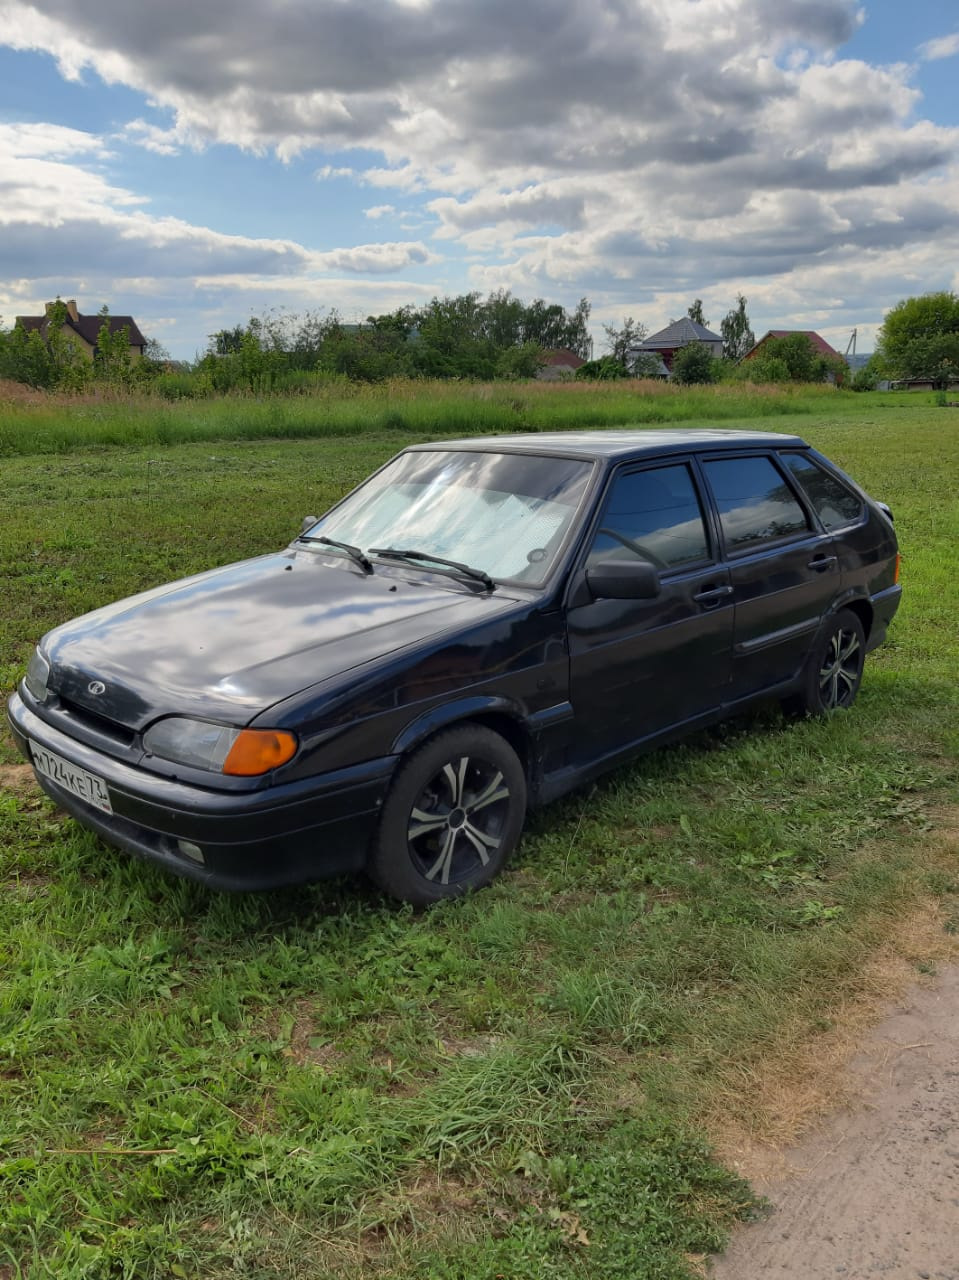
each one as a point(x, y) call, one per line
point(84, 330)
point(820, 344)
point(679, 334)
point(561, 363)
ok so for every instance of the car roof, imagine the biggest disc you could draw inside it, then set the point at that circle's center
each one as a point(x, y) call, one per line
point(618, 444)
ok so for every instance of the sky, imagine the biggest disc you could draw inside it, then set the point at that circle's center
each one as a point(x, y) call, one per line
point(196, 162)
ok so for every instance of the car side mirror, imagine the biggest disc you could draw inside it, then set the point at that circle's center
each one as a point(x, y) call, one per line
point(631, 579)
point(308, 523)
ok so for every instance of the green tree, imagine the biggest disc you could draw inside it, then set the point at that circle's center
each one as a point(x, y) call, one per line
point(70, 367)
point(693, 363)
point(553, 327)
point(519, 362)
point(920, 338)
point(737, 334)
point(226, 342)
point(695, 313)
point(24, 358)
point(620, 342)
point(112, 360)
point(502, 319)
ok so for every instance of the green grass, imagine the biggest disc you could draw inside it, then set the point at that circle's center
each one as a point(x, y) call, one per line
point(315, 1083)
point(33, 425)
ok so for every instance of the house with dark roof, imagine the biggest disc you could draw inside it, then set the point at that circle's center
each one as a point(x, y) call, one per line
point(679, 334)
point(84, 330)
point(820, 344)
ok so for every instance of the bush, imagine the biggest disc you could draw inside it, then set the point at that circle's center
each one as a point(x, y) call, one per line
point(764, 368)
point(605, 369)
point(693, 364)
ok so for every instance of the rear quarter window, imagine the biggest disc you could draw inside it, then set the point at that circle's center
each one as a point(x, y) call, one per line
point(755, 502)
point(834, 504)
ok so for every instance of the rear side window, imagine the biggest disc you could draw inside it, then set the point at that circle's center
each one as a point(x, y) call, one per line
point(656, 515)
point(834, 504)
point(756, 504)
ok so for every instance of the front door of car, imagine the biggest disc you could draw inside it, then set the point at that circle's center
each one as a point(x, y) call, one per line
point(639, 666)
point(785, 573)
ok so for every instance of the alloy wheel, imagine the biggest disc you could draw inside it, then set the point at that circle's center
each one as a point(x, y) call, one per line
point(458, 820)
point(840, 670)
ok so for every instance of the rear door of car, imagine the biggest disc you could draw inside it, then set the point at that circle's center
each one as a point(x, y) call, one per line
point(638, 667)
point(783, 568)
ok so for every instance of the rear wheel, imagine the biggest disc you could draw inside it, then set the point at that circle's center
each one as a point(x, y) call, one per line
point(452, 817)
point(834, 670)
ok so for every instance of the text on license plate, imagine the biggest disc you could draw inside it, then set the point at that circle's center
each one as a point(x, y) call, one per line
point(83, 785)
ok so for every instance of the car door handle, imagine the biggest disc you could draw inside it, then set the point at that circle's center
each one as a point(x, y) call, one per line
point(712, 595)
point(821, 562)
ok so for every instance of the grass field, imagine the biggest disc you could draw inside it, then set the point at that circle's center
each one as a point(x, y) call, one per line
point(528, 1083)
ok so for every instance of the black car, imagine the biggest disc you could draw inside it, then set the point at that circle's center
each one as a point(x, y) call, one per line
point(479, 627)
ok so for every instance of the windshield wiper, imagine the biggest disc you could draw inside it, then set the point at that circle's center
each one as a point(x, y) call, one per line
point(397, 553)
point(353, 552)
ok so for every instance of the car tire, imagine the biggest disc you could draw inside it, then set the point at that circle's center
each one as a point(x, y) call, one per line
point(833, 671)
point(452, 817)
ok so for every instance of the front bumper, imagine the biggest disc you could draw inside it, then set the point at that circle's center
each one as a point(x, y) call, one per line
point(300, 831)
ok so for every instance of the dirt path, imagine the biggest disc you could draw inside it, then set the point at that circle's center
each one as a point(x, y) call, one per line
point(875, 1192)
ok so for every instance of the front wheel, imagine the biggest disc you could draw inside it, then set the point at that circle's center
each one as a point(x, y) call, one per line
point(452, 817)
point(834, 670)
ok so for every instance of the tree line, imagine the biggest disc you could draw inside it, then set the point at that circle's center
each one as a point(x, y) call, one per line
point(468, 337)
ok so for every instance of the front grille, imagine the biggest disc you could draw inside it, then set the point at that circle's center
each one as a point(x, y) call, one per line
point(85, 726)
point(122, 735)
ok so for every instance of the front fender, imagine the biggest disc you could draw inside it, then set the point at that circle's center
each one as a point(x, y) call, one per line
point(451, 713)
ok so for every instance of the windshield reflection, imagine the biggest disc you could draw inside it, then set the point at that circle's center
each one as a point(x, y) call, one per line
point(504, 513)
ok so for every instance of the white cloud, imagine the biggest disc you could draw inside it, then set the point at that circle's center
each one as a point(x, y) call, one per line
point(375, 259)
point(66, 229)
point(637, 152)
point(941, 47)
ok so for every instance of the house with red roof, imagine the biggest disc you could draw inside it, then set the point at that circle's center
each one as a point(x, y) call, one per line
point(557, 364)
point(820, 344)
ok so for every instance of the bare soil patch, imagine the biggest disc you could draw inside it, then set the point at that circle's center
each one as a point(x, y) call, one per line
point(872, 1189)
point(876, 1190)
point(19, 779)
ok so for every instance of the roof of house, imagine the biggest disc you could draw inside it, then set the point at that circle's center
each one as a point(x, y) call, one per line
point(678, 334)
point(88, 327)
point(821, 345)
point(564, 357)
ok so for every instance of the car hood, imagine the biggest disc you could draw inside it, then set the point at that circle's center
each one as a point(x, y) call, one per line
point(230, 643)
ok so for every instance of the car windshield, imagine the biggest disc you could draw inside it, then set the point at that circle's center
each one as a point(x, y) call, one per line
point(504, 513)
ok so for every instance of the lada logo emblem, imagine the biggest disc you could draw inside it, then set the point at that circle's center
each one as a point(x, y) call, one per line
point(96, 687)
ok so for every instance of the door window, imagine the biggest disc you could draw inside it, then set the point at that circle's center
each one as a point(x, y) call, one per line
point(654, 514)
point(756, 504)
point(835, 505)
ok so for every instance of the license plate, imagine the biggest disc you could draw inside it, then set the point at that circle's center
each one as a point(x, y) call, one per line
point(83, 785)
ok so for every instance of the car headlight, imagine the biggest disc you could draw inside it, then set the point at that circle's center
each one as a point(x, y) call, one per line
point(38, 672)
point(218, 749)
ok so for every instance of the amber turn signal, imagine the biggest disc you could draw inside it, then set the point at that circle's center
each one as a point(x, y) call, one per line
point(898, 562)
point(258, 751)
